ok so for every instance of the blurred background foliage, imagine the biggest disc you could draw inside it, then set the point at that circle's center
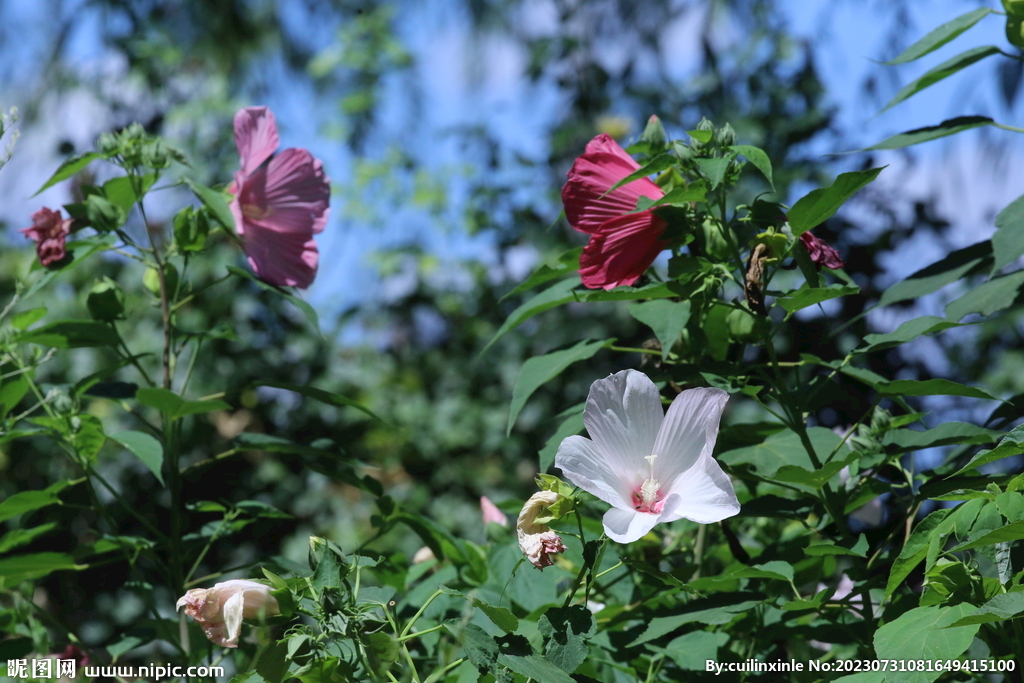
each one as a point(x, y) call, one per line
point(411, 348)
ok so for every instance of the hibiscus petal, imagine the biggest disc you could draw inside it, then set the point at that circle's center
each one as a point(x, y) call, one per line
point(586, 466)
point(622, 416)
point(296, 180)
point(233, 609)
point(690, 430)
point(703, 494)
point(622, 249)
point(280, 258)
point(626, 526)
point(255, 136)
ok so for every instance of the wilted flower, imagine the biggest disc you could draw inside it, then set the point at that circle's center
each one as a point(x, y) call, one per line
point(820, 252)
point(538, 541)
point(49, 232)
point(491, 513)
point(424, 554)
point(649, 466)
point(279, 204)
point(220, 610)
point(622, 244)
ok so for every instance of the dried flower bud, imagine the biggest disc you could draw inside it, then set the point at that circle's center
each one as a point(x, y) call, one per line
point(536, 540)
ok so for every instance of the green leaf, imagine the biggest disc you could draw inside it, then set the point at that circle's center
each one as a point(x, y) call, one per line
point(817, 478)
point(809, 296)
point(539, 370)
point(499, 616)
point(12, 390)
point(692, 651)
point(655, 165)
point(759, 159)
point(1008, 241)
point(941, 35)
point(328, 397)
point(928, 133)
point(680, 196)
point(914, 550)
point(556, 295)
point(665, 318)
point(781, 449)
point(175, 406)
point(535, 667)
point(821, 204)
point(566, 264)
point(657, 290)
point(942, 71)
point(988, 297)
point(19, 537)
point(22, 320)
point(714, 169)
point(27, 501)
point(1004, 606)
point(1011, 505)
point(122, 190)
point(908, 331)
point(276, 444)
point(828, 548)
point(70, 334)
point(299, 303)
point(701, 136)
point(1003, 534)
point(718, 614)
point(70, 168)
point(664, 577)
point(1010, 445)
point(948, 433)
point(149, 450)
point(570, 426)
point(215, 202)
point(956, 265)
point(14, 570)
point(480, 648)
point(931, 387)
point(567, 630)
point(89, 438)
point(923, 633)
point(776, 569)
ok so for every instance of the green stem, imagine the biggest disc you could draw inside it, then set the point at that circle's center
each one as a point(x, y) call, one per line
point(423, 608)
point(410, 636)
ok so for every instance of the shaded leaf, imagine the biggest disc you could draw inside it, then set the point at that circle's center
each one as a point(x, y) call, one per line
point(146, 448)
point(988, 297)
point(942, 71)
point(928, 133)
point(321, 395)
point(567, 263)
point(1008, 240)
point(70, 334)
point(809, 296)
point(27, 501)
point(781, 449)
point(758, 158)
point(14, 570)
point(945, 434)
point(175, 406)
point(70, 168)
point(931, 387)
point(949, 269)
point(908, 331)
point(914, 550)
point(215, 202)
point(539, 370)
point(299, 303)
point(556, 295)
point(665, 318)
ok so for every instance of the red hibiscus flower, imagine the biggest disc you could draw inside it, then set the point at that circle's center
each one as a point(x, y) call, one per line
point(821, 253)
point(281, 201)
point(49, 232)
point(622, 244)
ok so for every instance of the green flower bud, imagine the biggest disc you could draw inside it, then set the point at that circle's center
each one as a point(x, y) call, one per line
point(725, 136)
point(654, 133)
point(705, 124)
point(151, 279)
point(103, 214)
point(106, 301)
point(191, 229)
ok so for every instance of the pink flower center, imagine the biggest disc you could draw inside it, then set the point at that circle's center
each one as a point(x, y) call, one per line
point(647, 497)
point(254, 212)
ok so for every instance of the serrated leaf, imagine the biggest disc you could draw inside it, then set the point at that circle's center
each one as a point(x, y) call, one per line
point(942, 71)
point(299, 303)
point(539, 370)
point(70, 168)
point(1003, 534)
point(665, 318)
point(940, 35)
point(760, 160)
point(906, 332)
point(809, 296)
point(146, 448)
point(1010, 445)
point(566, 631)
point(821, 204)
point(929, 133)
point(988, 297)
point(328, 397)
point(999, 608)
point(714, 169)
point(535, 667)
point(949, 269)
point(556, 295)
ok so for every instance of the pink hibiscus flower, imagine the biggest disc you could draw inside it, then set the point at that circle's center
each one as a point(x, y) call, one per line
point(821, 253)
point(622, 244)
point(279, 204)
point(49, 231)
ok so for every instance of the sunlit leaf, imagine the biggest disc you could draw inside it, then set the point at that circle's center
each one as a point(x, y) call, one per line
point(821, 204)
point(940, 35)
point(944, 70)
